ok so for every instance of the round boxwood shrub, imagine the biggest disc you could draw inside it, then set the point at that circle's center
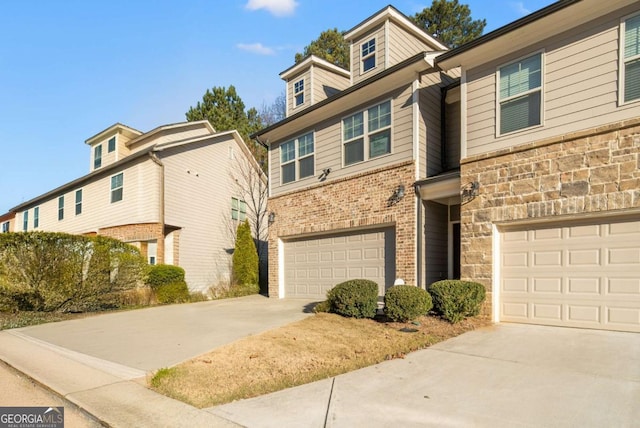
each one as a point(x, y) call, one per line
point(356, 298)
point(405, 303)
point(158, 275)
point(173, 292)
point(455, 299)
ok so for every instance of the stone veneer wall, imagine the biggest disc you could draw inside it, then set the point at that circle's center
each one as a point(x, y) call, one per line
point(358, 201)
point(589, 171)
point(138, 232)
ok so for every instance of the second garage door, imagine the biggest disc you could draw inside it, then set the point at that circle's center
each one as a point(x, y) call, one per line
point(312, 266)
point(575, 274)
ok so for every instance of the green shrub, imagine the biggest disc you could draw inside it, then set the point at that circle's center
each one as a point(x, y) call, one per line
point(173, 292)
point(357, 298)
point(455, 300)
point(405, 303)
point(158, 275)
point(323, 306)
point(44, 271)
point(245, 257)
point(240, 290)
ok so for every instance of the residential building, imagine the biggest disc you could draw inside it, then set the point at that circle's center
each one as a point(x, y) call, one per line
point(170, 191)
point(512, 160)
point(7, 222)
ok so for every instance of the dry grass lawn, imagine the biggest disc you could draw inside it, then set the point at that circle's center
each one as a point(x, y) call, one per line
point(318, 347)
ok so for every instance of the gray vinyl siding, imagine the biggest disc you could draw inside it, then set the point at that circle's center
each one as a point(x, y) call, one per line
point(328, 144)
point(140, 203)
point(430, 95)
point(306, 76)
point(580, 87)
point(452, 130)
point(356, 62)
point(436, 241)
point(326, 84)
point(198, 192)
point(404, 45)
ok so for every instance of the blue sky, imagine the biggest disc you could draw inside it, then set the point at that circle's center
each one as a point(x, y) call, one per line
point(71, 68)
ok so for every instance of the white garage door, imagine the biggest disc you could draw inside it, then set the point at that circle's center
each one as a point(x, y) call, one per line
point(313, 266)
point(580, 274)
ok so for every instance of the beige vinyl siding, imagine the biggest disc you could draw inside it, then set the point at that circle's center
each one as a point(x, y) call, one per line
point(580, 87)
point(452, 130)
point(198, 192)
point(404, 45)
point(140, 203)
point(171, 135)
point(430, 95)
point(326, 84)
point(356, 62)
point(328, 144)
point(291, 106)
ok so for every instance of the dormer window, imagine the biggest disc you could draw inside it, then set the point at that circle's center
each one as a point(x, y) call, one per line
point(111, 145)
point(368, 55)
point(97, 157)
point(298, 92)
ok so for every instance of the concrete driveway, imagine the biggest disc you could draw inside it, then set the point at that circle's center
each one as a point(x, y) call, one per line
point(508, 375)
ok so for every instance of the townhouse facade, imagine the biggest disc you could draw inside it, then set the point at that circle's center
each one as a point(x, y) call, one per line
point(170, 191)
point(512, 160)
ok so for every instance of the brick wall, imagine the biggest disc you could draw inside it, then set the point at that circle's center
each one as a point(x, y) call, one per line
point(585, 172)
point(137, 233)
point(356, 202)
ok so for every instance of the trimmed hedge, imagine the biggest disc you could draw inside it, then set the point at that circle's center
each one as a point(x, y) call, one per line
point(406, 302)
point(456, 300)
point(356, 298)
point(158, 275)
point(45, 271)
point(173, 292)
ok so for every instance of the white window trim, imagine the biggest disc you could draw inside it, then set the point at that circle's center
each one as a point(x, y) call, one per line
point(238, 210)
point(115, 144)
point(75, 201)
point(60, 209)
point(5, 227)
point(296, 159)
point(36, 217)
point(95, 150)
point(111, 189)
point(622, 61)
point(541, 89)
point(366, 134)
point(362, 58)
point(296, 93)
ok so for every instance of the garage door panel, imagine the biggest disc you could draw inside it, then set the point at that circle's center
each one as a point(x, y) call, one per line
point(321, 263)
point(577, 275)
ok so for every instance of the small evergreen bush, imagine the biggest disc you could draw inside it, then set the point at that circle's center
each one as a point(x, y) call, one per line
point(456, 300)
point(356, 298)
point(158, 275)
point(240, 290)
point(405, 303)
point(173, 292)
point(323, 306)
point(245, 257)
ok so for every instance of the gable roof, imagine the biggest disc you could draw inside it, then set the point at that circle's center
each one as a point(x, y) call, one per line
point(310, 61)
point(127, 130)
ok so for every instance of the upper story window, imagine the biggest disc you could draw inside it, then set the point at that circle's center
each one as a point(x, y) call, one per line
point(298, 92)
point(61, 208)
point(631, 58)
point(117, 185)
point(367, 134)
point(97, 156)
point(78, 201)
point(36, 217)
point(297, 158)
point(5, 227)
point(520, 94)
point(25, 220)
point(368, 55)
point(111, 145)
point(238, 209)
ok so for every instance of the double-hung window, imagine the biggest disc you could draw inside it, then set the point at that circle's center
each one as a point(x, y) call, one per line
point(630, 69)
point(36, 217)
point(25, 220)
point(5, 227)
point(367, 134)
point(117, 184)
point(297, 158)
point(97, 157)
point(61, 208)
point(111, 145)
point(520, 94)
point(78, 201)
point(298, 92)
point(368, 55)
point(238, 209)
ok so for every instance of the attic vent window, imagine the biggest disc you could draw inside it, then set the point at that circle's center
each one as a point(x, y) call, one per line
point(298, 92)
point(368, 55)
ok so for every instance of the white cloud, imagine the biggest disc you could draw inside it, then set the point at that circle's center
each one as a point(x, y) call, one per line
point(520, 8)
point(256, 48)
point(275, 7)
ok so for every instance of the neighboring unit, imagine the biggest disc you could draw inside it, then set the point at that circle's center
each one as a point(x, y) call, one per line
point(171, 192)
point(513, 160)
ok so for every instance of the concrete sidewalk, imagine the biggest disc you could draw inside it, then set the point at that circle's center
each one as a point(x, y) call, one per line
point(506, 375)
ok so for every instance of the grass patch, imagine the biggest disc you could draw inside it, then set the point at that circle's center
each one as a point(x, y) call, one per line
point(318, 347)
point(24, 318)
